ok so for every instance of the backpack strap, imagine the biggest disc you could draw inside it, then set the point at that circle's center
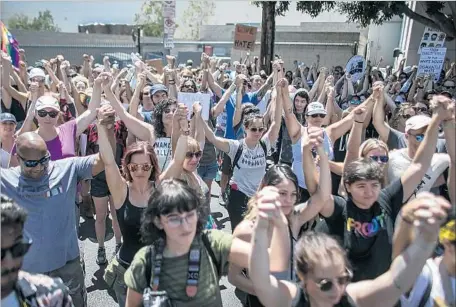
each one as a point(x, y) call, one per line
point(208, 247)
point(237, 156)
point(265, 148)
point(427, 292)
point(149, 255)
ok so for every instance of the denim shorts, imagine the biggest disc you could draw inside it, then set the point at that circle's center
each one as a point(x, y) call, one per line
point(208, 172)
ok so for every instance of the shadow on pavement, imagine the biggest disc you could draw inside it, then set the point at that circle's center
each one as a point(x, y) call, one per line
point(87, 230)
point(220, 223)
point(100, 284)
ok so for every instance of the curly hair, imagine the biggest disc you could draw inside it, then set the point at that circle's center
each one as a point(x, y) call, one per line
point(172, 195)
point(158, 112)
point(140, 148)
point(11, 213)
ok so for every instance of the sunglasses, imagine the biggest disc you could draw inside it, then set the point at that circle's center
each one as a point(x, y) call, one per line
point(33, 163)
point(19, 249)
point(327, 284)
point(168, 110)
point(317, 115)
point(355, 101)
point(133, 167)
point(190, 154)
point(422, 109)
point(450, 87)
point(261, 129)
point(52, 114)
point(419, 137)
point(39, 80)
point(380, 159)
point(146, 94)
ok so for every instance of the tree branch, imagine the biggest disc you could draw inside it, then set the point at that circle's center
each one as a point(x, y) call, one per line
point(444, 22)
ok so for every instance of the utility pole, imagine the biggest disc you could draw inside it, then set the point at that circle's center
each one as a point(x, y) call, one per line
point(138, 34)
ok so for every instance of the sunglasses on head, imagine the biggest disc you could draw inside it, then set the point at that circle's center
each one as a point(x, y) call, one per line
point(380, 159)
point(52, 114)
point(33, 163)
point(190, 154)
point(19, 249)
point(133, 167)
point(317, 115)
point(254, 129)
point(327, 284)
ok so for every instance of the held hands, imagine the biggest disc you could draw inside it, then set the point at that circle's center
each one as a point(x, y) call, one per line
point(283, 83)
point(141, 81)
point(197, 108)
point(269, 208)
point(378, 90)
point(106, 116)
point(313, 138)
point(360, 114)
point(427, 213)
point(442, 106)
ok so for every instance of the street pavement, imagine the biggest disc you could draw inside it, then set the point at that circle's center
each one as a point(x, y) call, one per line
point(98, 293)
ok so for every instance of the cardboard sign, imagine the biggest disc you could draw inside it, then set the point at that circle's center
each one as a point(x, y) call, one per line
point(431, 62)
point(244, 37)
point(157, 64)
point(189, 98)
point(356, 66)
point(431, 39)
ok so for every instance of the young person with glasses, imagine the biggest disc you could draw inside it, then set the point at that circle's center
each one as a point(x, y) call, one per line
point(47, 189)
point(324, 271)
point(16, 283)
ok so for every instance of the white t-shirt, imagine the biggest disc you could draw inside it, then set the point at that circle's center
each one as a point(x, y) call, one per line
point(4, 158)
point(399, 162)
point(163, 151)
point(421, 283)
point(11, 300)
point(252, 166)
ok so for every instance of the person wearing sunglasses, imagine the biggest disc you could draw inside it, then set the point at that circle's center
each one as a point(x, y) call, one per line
point(16, 283)
point(436, 284)
point(415, 130)
point(325, 274)
point(47, 190)
point(173, 229)
point(130, 191)
point(450, 86)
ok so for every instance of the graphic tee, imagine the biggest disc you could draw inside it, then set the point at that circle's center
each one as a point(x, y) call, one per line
point(163, 151)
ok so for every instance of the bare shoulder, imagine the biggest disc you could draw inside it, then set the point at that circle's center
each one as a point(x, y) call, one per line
point(244, 230)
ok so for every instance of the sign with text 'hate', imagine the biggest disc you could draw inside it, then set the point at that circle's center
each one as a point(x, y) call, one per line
point(244, 37)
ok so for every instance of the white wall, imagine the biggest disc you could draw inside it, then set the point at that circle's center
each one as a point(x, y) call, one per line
point(382, 40)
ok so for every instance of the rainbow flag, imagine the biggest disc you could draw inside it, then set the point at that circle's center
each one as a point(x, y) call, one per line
point(9, 45)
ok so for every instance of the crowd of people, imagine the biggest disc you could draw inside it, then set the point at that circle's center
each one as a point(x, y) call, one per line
point(340, 192)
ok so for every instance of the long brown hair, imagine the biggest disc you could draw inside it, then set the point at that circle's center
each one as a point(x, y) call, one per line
point(140, 148)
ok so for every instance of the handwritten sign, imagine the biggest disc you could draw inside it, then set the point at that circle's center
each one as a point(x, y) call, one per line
point(157, 64)
point(244, 37)
point(356, 67)
point(431, 62)
point(189, 98)
point(431, 39)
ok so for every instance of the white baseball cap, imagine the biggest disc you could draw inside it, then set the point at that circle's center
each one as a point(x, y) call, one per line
point(47, 102)
point(417, 122)
point(37, 72)
point(315, 108)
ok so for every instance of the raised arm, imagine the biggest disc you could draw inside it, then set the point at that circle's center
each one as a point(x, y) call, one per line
point(220, 106)
point(134, 103)
point(175, 167)
point(422, 160)
point(220, 143)
point(386, 289)
point(237, 116)
point(85, 119)
point(356, 136)
point(6, 84)
point(274, 128)
point(28, 124)
point(107, 149)
point(378, 119)
point(291, 122)
point(449, 126)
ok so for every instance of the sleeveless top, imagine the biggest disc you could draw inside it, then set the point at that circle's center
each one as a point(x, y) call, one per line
point(129, 217)
point(301, 300)
point(297, 158)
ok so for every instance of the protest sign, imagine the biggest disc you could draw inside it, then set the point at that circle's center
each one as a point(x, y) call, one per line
point(431, 62)
point(244, 37)
point(189, 98)
point(157, 64)
point(356, 67)
point(431, 39)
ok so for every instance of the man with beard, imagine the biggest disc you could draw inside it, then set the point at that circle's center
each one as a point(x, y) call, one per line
point(18, 287)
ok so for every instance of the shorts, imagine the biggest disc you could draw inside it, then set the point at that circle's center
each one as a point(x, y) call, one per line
point(226, 165)
point(208, 172)
point(99, 186)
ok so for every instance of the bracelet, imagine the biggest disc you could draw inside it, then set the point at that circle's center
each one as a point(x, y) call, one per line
point(359, 122)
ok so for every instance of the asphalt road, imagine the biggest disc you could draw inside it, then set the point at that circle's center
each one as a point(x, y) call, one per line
point(97, 291)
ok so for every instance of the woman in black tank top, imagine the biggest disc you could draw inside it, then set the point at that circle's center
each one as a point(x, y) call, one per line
point(323, 268)
point(130, 193)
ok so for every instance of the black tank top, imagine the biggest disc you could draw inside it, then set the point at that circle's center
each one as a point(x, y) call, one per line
point(129, 218)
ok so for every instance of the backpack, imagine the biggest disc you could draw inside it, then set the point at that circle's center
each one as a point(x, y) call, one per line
point(238, 154)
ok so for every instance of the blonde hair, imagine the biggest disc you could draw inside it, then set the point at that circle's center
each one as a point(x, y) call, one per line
point(193, 146)
point(372, 144)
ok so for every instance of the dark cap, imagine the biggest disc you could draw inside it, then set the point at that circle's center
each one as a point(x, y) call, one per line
point(157, 88)
point(7, 117)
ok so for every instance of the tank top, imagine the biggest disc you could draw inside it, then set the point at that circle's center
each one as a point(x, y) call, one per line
point(301, 300)
point(129, 217)
point(297, 158)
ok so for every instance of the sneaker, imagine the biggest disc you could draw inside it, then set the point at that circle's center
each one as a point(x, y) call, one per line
point(101, 256)
point(222, 199)
point(118, 246)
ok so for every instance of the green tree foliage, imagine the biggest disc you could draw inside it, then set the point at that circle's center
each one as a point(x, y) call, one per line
point(151, 18)
point(44, 22)
point(197, 14)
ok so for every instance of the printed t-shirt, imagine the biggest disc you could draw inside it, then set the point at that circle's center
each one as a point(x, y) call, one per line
point(399, 161)
point(364, 232)
point(173, 273)
point(49, 201)
point(163, 151)
point(252, 166)
point(147, 115)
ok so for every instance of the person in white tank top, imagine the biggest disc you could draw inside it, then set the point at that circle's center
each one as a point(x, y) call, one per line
point(7, 129)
